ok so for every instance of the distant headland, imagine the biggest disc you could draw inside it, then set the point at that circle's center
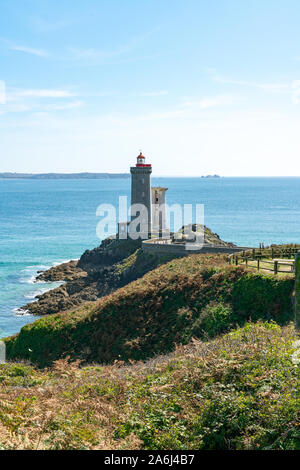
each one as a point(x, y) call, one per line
point(211, 176)
point(72, 176)
point(59, 176)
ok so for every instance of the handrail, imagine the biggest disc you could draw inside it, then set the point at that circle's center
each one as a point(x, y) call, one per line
point(257, 255)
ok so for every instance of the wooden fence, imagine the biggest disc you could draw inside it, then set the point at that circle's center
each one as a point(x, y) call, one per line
point(259, 258)
point(272, 252)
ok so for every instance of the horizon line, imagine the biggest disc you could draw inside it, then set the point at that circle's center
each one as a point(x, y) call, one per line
point(22, 175)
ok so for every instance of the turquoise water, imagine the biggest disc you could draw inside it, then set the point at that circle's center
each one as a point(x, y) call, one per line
point(51, 221)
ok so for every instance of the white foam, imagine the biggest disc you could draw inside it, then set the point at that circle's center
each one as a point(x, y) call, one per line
point(32, 272)
point(36, 267)
point(34, 294)
point(26, 280)
point(21, 312)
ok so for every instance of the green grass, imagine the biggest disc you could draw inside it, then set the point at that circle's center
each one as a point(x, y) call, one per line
point(196, 296)
point(239, 391)
point(267, 265)
point(198, 354)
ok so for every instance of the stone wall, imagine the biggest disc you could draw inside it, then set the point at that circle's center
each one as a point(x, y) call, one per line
point(158, 210)
point(163, 246)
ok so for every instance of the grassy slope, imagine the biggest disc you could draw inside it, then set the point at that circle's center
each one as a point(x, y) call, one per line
point(239, 391)
point(197, 296)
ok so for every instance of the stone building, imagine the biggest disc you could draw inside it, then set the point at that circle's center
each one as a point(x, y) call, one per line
point(159, 224)
point(141, 195)
point(147, 211)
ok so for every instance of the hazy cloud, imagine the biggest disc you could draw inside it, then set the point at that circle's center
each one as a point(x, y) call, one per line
point(153, 93)
point(46, 26)
point(41, 93)
point(263, 86)
point(61, 107)
point(209, 102)
point(30, 50)
point(296, 92)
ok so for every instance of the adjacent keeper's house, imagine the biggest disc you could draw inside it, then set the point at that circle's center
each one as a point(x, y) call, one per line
point(148, 221)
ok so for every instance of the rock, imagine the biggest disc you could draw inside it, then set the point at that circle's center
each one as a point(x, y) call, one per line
point(63, 272)
point(99, 272)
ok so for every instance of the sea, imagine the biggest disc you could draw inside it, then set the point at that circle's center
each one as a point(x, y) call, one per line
point(47, 222)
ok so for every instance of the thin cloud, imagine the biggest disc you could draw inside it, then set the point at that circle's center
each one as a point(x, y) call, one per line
point(30, 50)
point(191, 109)
point(41, 93)
point(296, 92)
point(96, 55)
point(292, 88)
point(62, 107)
point(45, 26)
point(209, 102)
point(153, 93)
point(273, 87)
point(101, 55)
point(14, 108)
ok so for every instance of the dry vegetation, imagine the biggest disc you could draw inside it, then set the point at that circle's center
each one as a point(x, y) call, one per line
point(239, 391)
point(197, 296)
point(198, 354)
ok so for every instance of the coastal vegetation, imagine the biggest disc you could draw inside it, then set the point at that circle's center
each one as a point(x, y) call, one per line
point(196, 296)
point(238, 391)
point(113, 264)
point(194, 354)
point(98, 273)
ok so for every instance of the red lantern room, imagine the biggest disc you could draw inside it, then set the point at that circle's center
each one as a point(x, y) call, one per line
point(141, 161)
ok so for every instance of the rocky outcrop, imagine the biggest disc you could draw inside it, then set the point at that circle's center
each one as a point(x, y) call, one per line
point(97, 273)
point(63, 272)
point(210, 238)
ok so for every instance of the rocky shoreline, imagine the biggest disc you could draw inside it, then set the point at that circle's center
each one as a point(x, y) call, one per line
point(94, 275)
point(97, 273)
point(63, 272)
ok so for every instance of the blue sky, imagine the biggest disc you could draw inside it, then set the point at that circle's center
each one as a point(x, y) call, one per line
point(201, 87)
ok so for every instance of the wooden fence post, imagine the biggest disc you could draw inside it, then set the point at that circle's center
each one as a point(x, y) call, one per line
point(258, 263)
point(297, 292)
point(275, 267)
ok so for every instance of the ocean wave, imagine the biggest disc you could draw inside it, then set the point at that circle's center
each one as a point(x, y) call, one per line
point(27, 280)
point(34, 294)
point(30, 273)
point(20, 312)
point(36, 267)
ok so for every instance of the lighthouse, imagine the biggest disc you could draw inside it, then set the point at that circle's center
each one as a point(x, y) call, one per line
point(148, 205)
point(141, 193)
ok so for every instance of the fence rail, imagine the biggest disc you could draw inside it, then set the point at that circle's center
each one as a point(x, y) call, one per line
point(273, 252)
point(259, 258)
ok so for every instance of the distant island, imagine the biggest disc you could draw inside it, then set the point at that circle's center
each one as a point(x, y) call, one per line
point(72, 176)
point(211, 176)
point(59, 176)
